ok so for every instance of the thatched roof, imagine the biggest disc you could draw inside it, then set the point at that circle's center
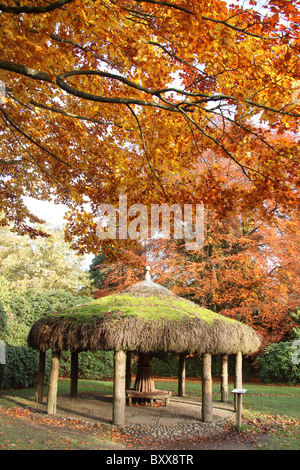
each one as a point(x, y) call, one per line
point(144, 317)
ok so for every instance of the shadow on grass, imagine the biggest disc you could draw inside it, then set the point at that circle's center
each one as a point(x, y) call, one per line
point(67, 411)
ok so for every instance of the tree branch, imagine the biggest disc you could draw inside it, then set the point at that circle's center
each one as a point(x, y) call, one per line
point(44, 76)
point(205, 18)
point(146, 151)
point(70, 115)
point(28, 137)
point(37, 163)
point(23, 70)
point(34, 9)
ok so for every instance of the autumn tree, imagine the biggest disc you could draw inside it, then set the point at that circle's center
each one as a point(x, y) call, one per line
point(104, 98)
point(178, 102)
point(126, 268)
point(247, 270)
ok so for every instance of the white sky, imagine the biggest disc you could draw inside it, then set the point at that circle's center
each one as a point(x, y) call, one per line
point(48, 211)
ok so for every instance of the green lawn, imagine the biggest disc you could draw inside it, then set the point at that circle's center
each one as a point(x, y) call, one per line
point(284, 400)
point(267, 409)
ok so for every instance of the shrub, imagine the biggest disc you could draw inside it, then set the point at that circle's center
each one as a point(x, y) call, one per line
point(30, 305)
point(22, 364)
point(277, 364)
point(24, 308)
point(91, 366)
point(166, 365)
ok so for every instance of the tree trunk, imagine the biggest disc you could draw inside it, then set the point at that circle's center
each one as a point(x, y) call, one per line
point(181, 375)
point(52, 391)
point(119, 397)
point(207, 413)
point(40, 386)
point(224, 377)
point(74, 374)
point(144, 381)
point(128, 370)
point(238, 378)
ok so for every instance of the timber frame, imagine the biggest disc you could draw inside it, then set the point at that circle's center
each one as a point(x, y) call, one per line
point(122, 382)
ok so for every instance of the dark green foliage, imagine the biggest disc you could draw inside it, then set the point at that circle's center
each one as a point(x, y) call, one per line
point(22, 364)
point(30, 305)
point(166, 365)
point(95, 272)
point(3, 319)
point(92, 366)
point(23, 307)
point(277, 364)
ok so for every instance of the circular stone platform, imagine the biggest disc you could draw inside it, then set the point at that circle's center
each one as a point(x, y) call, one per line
point(180, 419)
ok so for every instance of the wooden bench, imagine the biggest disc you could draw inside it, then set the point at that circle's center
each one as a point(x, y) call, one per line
point(156, 395)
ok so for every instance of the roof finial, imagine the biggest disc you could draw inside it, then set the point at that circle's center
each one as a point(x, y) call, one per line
point(147, 277)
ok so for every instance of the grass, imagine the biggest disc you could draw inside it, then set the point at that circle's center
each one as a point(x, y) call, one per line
point(271, 410)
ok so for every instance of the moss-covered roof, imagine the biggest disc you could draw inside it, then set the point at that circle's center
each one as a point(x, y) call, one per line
point(150, 308)
point(144, 317)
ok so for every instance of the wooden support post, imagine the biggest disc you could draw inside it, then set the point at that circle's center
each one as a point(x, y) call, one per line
point(181, 375)
point(119, 397)
point(128, 370)
point(207, 413)
point(224, 377)
point(52, 391)
point(74, 374)
point(238, 377)
point(41, 378)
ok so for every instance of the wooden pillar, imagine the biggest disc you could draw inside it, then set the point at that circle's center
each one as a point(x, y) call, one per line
point(238, 377)
point(181, 375)
point(207, 413)
point(224, 377)
point(41, 378)
point(52, 391)
point(119, 398)
point(128, 369)
point(74, 374)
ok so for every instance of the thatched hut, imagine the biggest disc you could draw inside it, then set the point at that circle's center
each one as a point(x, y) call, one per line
point(144, 318)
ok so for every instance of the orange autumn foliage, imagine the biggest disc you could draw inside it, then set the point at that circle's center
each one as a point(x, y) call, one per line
point(188, 102)
point(108, 98)
point(247, 271)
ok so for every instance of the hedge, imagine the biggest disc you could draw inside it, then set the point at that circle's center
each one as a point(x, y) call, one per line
point(278, 363)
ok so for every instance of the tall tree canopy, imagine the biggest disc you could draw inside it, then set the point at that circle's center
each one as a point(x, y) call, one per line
point(247, 270)
point(104, 97)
